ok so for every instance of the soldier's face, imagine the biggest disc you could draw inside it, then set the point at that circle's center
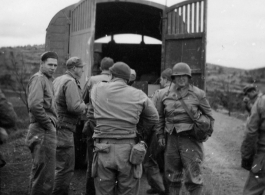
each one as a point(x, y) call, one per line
point(49, 66)
point(251, 94)
point(79, 71)
point(163, 81)
point(181, 81)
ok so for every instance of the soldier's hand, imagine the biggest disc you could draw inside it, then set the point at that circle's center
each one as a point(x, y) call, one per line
point(162, 142)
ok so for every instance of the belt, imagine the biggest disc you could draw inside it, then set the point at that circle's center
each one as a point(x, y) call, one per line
point(115, 141)
point(67, 120)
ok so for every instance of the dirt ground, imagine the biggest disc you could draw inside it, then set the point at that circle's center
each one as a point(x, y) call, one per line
point(222, 172)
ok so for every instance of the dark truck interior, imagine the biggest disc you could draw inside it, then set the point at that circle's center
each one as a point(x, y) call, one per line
point(122, 18)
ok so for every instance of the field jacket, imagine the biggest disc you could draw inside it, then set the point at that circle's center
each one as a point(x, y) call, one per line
point(41, 100)
point(254, 140)
point(173, 115)
point(117, 109)
point(104, 76)
point(68, 97)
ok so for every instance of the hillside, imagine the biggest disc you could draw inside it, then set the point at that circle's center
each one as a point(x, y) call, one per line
point(25, 61)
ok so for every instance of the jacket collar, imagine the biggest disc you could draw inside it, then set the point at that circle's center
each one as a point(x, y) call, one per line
point(105, 72)
point(71, 75)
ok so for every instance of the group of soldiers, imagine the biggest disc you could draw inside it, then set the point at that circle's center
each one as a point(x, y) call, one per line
point(114, 112)
point(120, 121)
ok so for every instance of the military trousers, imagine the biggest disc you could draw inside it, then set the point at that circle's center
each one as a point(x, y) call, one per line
point(183, 155)
point(114, 173)
point(154, 165)
point(65, 161)
point(42, 144)
point(255, 183)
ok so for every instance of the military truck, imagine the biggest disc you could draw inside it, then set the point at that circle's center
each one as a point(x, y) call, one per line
point(180, 30)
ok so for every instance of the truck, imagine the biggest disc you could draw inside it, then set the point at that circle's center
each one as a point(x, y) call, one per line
point(179, 32)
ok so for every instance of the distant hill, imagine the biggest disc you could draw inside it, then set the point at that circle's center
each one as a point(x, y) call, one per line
point(217, 77)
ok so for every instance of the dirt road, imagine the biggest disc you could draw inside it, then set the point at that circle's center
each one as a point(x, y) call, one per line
point(224, 175)
point(222, 172)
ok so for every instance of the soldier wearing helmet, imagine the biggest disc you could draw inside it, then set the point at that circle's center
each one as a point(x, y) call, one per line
point(253, 147)
point(117, 109)
point(250, 96)
point(175, 130)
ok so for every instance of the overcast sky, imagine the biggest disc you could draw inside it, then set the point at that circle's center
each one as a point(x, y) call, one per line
point(235, 34)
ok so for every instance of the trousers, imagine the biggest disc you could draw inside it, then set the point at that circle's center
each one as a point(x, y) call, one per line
point(42, 144)
point(183, 154)
point(65, 162)
point(114, 173)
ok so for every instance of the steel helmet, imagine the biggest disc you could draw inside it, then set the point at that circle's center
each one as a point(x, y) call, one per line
point(121, 70)
point(181, 68)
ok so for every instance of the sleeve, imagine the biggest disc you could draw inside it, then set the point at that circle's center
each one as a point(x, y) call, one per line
point(86, 92)
point(149, 114)
point(74, 102)
point(160, 126)
point(249, 143)
point(35, 101)
point(8, 115)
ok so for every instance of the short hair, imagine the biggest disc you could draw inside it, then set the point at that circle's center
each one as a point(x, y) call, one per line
point(106, 63)
point(48, 54)
point(167, 74)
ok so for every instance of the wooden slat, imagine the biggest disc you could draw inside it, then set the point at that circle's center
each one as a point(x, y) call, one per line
point(186, 19)
point(200, 17)
point(182, 18)
point(177, 22)
point(195, 17)
point(191, 18)
point(180, 21)
point(173, 28)
point(169, 23)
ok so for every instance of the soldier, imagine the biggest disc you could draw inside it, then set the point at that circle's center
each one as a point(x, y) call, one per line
point(117, 108)
point(88, 129)
point(8, 119)
point(250, 96)
point(183, 151)
point(253, 149)
point(41, 137)
point(105, 75)
point(70, 107)
point(154, 163)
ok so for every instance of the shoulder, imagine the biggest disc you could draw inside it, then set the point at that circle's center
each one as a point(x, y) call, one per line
point(37, 78)
point(197, 91)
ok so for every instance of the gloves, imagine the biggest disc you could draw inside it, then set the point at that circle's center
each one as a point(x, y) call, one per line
point(246, 164)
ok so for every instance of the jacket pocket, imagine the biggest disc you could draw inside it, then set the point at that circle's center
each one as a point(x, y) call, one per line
point(102, 148)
